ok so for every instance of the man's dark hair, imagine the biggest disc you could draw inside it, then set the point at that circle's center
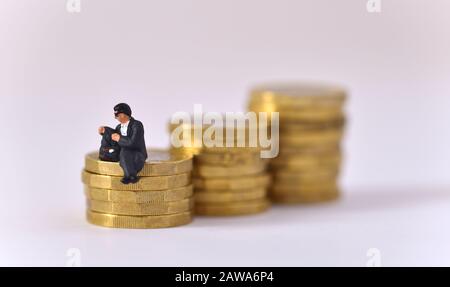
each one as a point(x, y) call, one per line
point(122, 108)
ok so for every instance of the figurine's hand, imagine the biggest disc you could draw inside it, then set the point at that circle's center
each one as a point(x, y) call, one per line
point(101, 130)
point(115, 137)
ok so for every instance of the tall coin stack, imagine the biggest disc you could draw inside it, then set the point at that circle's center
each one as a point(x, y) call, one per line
point(310, 131)
point(228, 180)
point(161, 198)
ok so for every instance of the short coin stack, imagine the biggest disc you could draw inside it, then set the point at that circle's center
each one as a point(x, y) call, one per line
point(310, 131)
point(228, 180)
point(161, 198)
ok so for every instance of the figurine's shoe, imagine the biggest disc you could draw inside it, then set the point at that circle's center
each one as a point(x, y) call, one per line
point(134, 179)
point(126, 180)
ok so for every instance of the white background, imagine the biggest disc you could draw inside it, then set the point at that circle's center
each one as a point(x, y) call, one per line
point(61, 74)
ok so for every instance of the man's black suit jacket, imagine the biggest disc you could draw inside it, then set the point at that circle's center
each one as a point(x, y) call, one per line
point(134, 140)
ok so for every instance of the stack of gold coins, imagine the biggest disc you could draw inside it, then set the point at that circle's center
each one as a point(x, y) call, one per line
point(228, 180)
point(311, 123)
point(163, 197)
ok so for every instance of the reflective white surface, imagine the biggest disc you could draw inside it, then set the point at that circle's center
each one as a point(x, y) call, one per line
point(408, 228)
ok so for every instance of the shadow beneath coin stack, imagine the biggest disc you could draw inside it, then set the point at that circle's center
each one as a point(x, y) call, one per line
point(351, 203)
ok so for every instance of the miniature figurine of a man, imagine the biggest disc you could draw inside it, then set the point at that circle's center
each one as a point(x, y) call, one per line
point(125, 144)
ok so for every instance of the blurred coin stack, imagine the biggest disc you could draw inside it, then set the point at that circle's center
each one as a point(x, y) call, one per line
point(311, 123)
point(161, 198)
point(227, 180)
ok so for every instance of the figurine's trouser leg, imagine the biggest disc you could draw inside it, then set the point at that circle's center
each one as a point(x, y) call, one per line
point(131, 162)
